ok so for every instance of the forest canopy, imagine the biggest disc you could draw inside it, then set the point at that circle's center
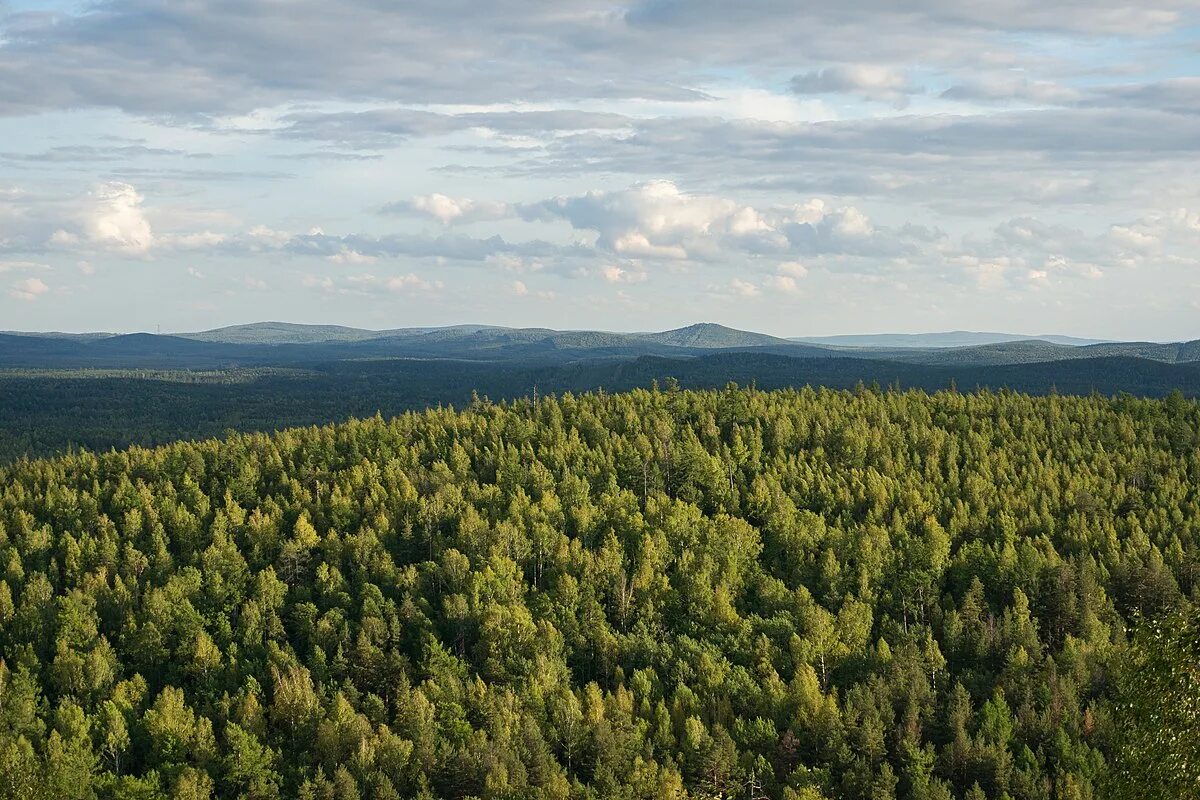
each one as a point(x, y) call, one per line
point(797, 594)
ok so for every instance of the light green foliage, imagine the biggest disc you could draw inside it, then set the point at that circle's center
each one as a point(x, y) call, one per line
point(1157, 713)
point(803, 594)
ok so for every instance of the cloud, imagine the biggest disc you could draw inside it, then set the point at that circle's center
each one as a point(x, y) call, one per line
point(512, 262)
point(451, 210)
point(1175, 95)
point(206, 62)
point(367, 284)
point(615, 274)
point(1001, 89)
point(785, 284)
point(351, 256)
point(28, 289)
point(116, 219)
point(655, 222)
point(87, 153)
point(658, 220)
point(390, 127)
point(787, 277)
point(871, 81)
point(412, 282)
point(520, 289)
point(743, 288)
point(1038, 145)
point(454, 247)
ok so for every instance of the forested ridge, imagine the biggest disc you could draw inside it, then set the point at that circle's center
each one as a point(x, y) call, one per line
point(797, 594)
point(46, 412)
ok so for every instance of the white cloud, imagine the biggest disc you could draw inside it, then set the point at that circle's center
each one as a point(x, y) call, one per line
point(117, 220)
point(263, 235)
point(28, 289)
point(785, 284)
point(412, 282)
point(743, 288)
point(452, 211)
point(658, 220)
point(195, 273)
point(63, 238)
point(86, 268)
point(1038, 278)
point(614, 274)
point(199, 240)
point(350, 256)
point(512, 262)
point(519, 288)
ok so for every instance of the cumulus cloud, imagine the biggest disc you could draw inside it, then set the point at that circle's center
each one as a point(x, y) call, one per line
point(450, 210)
point(785, 284)
point(742, 288)
point(651, 222)
point(350, 256)
point(28, 289)
point(615, 274)
point(412, 282)
point(117, 219)
point(658, 220)
point(787, 278)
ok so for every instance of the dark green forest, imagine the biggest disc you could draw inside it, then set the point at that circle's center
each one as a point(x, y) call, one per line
point(803, 594)
point(44, 412)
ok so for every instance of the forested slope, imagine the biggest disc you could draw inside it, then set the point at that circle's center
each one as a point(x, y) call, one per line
point(801, 594)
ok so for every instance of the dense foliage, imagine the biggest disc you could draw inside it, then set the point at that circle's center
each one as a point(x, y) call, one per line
point(1157, 712)
point(795, 594)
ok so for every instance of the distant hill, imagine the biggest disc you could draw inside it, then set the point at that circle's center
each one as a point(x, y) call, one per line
point(944, 339)
point(280, 333)
point(296, 333)
point(58, 335)
point(281, 344)
point(705, 335)
point(709, 335)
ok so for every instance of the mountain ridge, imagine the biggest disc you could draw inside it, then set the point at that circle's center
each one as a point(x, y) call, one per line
point(282, 344)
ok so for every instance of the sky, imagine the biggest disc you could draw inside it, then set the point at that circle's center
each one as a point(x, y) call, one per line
point(791, 168)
